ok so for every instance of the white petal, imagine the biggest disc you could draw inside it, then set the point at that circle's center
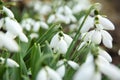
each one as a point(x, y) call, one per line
point(106, 35)
point(54, 41)
point(11, 63)
point(60, 62)
point(23, 37)
point(72, 18)
point(61, 70)
point(8, 12)
point(107, 39)
point(61, 18)
point(43, 25)
point(96, 37)
point(8, 43)
point(45, 9)
point(101, 60)
point(67, 10)
point(87, 36)
point(36, 27)
point(81, 45)
point(34, 35)
point(60, 9)
point(85, 72)
point(110, 70)
point(1, 22)
point(52, 74)
point(62, 46)
point(51, 19)
point(104, 54)
point(12, 26)
point(89, 23)
point(42, 75)
point(119, 52)
point(10, 35)
point(108, 25)
point(28, 27)
point(67, 39)
point(73, 64)
point(97, 76)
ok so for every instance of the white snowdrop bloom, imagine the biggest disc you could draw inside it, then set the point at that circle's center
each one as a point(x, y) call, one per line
point(63, 14)
point(9, 62)
point(7, 42)
point(89, 23)
point(104, 54)
point(42, 75)
point(61, 68)
point(108, 69)
point(8, 12)
point(73, 64)
point(96, 36)
point(47, 73)
point(28, 23)
point(15, 28)
point(60, 43)
point(86, 70)
point(106, 23)
point(34, 35)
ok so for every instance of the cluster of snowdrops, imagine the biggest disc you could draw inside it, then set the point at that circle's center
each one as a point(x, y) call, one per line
point(56, 40)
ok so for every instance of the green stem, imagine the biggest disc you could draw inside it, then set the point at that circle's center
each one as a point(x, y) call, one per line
point(78, 33)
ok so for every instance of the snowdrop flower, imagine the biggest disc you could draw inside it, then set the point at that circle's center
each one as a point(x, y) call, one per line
point(61, 66)
point(8, 12)
point(31, 24)
point(99, 34)
point(7, 42)
point(63, 14)
point(27, 23)
point(9, 62)
point(46, 73)
point(86, 70)
point(108, 69)
point(15, 28)
point(60, 42)
point(34, 35)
